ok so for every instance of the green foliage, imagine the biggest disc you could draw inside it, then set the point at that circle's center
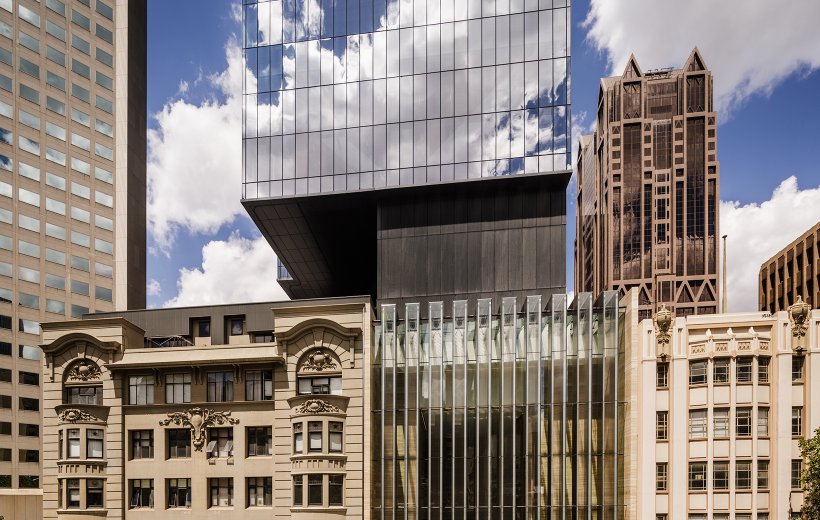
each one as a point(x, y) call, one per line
point(810, 449)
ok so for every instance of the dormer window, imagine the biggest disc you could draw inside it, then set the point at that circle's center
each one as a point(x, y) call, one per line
point(236, 326)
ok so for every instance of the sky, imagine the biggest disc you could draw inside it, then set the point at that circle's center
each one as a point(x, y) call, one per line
point(765, 56)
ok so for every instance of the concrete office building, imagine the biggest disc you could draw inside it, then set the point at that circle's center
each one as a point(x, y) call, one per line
point(235, 411)
point(792, 273)
point(72, 191)
point(721, 402)
point(648, 189)
point(416, 152)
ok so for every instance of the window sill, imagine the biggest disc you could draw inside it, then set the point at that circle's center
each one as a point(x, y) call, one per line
point(312, 509)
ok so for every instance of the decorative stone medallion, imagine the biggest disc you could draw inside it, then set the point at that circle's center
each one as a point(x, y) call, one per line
point(319, 360)
point(84, 370)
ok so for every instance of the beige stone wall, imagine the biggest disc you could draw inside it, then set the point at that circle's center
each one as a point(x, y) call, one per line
point(21, 504)
point(726, 337)
point(340, 333)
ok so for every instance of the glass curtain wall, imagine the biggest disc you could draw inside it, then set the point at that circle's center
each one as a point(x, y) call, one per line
point(344, 95)
point(509, 413)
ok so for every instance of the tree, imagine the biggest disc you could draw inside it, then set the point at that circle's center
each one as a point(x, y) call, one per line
point(810, 450)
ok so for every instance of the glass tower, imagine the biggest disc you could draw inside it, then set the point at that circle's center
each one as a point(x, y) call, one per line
point(347, 95)
point(510, 414)
point(412, 129)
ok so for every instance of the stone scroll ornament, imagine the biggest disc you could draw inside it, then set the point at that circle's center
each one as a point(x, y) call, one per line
point(73, 415)
point(198, 419)
point(314, 406)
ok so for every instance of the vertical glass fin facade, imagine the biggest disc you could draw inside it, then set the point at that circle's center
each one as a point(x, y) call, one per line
point(348, 95)
point(514, 412)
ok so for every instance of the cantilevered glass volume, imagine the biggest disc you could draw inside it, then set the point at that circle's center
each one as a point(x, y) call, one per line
point(515, 412)
point(363, 94)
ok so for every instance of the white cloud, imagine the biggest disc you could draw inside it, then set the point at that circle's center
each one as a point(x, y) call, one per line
point(195, 159)
point(758, 231)
point(750, 46)
point(153, 288)
point(236, 270)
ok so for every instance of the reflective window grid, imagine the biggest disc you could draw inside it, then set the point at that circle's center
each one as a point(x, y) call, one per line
point(346, 95)
point(510, 415)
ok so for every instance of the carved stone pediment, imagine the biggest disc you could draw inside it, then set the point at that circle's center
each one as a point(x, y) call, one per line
point(198, 419)
point(83, 370)
point(316, 406)
point(71, 415)
point(319, 360)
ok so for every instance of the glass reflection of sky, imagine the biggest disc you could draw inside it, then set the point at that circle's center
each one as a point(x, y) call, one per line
point(347, 95)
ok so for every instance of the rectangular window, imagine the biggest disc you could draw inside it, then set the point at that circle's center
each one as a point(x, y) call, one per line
point(720, 475)
point(177, 388)
point(720, 371)
point(72, 493)
point(697, 476)
point(142, 444)
point(743, 474)
point(743, 422)
point(662, 426)
point(142, 493)
point(661, 476)
point(762, 370)
point(220, 443)
point(28, 430)
point(260, 491)
point(315, 485)
point(221, 492)
point(697, 424)
point(335, 436)
point(762, 422)
point(179, 493)
point(762, 474)
point(94, 493)
point(179, 443)
point(662, 377)
point(797, 421)
point(320, 385)
point(335, 490)
point(141, 389)
point(220, 386)
point(298, 490)
point(298, 438)
point(315, 435)
point(73, 443)
point(743, 370)
point(94, 444)
point(797, 368)
point(259, 441)
point(237, 326)
point(258, 385)
point(28, 404)
point(697, 372)
point(28, 378)
point(796, 473)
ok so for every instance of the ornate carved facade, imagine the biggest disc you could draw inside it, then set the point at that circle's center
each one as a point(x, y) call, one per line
point(267, 421)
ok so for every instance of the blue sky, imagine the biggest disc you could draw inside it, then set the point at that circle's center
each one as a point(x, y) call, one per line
point(766, 91)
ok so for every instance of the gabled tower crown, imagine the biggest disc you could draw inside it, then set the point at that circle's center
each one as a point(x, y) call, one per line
point(695, 62)
point(632, 70)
